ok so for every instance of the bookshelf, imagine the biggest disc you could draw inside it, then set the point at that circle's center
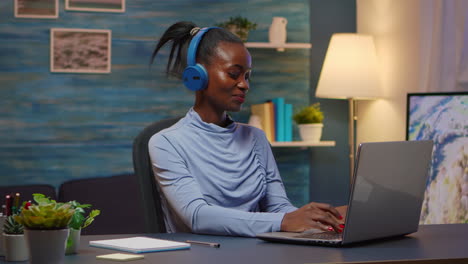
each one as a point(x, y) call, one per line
point(303, 144)
point(282, 47)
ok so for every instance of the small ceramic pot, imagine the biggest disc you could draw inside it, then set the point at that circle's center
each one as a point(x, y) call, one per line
point(310, 132)
point(15, 248)
point(46, 246)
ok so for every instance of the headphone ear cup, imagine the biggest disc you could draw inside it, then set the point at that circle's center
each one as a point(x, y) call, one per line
point(195, 77)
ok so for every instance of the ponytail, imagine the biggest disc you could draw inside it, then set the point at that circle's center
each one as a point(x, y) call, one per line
point(179, 34)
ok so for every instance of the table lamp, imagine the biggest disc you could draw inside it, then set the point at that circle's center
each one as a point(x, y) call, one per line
point(350, 72)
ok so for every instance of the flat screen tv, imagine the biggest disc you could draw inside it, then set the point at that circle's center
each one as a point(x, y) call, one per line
point(442, 117)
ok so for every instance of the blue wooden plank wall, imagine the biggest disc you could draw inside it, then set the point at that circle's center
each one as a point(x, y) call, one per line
point(56, 127)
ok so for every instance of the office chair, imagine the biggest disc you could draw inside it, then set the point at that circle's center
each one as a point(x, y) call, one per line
point(117, 197)
point(26, 191)
point(143, 171)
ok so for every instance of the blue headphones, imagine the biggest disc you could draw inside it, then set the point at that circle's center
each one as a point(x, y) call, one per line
point(195, 76)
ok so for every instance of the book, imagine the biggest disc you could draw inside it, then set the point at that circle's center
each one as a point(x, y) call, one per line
point(279, 118)
point(120, 257)
point(272, 120)
point(288, 112)
point(264, 112)
point(139, 244)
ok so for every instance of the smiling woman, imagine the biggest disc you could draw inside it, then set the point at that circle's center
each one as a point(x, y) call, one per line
point(218, 176)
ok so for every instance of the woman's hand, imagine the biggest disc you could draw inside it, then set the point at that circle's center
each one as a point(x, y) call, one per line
point(314, 215)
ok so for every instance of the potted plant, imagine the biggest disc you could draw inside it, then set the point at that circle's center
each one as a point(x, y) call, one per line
point(13, 240)
point(46, 229)
point(309, 120)
point(78, 222)
point(239, 26)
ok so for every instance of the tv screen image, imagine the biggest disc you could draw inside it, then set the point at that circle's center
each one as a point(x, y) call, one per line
point(442, 117)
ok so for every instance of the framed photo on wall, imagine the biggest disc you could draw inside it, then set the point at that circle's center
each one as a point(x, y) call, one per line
point(96, 5)
point(443, 118)
point(80, 50)
point(36, 8)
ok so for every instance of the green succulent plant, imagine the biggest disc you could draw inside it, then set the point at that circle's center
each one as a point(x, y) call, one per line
point(309, 115)
point(12, 227)
point(45, 214)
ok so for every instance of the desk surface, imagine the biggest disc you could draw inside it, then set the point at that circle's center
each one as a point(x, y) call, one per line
point(430, 242)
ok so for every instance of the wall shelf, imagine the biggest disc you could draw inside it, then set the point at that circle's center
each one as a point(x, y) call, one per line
point(269, 45)
point(303, 144)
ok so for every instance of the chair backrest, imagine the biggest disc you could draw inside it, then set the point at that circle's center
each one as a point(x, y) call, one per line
point(116, 196)
point(26, 191)
point(144, 173)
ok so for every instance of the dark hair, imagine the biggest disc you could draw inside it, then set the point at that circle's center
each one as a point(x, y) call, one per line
point(179, 35)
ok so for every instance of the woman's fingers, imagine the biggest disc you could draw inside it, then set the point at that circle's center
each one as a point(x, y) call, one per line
point(324, 227)
point(327, 215)
point(313, 215)
point(329, 208)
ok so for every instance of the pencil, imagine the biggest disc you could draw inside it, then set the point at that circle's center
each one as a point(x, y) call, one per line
point(211, 244)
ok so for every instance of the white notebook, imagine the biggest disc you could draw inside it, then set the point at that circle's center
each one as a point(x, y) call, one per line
point(139, 244)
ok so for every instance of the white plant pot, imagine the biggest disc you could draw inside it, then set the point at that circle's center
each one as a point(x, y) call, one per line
point(15, 248)
point(310, 132)
point(46, 246)
point(73, 241)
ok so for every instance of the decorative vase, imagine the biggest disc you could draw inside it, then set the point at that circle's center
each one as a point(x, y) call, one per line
point(310, 132)
point(277, 32)
point(15, 248)
point(46, 246)
point(73, 241)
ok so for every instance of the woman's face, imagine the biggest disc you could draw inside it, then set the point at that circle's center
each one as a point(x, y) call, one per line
point(228, 73)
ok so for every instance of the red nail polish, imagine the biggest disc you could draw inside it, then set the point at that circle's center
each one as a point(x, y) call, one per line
point(341, 225)
point(330, 228)
point(341, 218)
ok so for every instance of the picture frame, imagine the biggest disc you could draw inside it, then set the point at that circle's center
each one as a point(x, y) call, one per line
point(117, 6)
point(77, 50)
point(36, 8)
point(443, 118)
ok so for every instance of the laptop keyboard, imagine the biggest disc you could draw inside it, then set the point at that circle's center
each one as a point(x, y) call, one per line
point(322, 235)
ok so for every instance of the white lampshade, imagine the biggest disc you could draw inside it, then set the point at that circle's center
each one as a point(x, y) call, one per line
point(350, 69)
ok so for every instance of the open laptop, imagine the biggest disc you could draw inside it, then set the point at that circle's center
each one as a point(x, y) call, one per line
point(385, 199)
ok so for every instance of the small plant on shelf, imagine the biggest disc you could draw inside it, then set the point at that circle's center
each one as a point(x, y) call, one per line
point(309, 115)
point(309, 120)
point(239, 26)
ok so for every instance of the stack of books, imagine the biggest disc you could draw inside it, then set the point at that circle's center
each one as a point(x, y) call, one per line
point(276, 119)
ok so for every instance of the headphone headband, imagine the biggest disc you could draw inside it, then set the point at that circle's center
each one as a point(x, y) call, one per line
point(195, 76)
point(193, 47)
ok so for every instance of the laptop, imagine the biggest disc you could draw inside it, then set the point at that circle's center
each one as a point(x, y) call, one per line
point(386, 195)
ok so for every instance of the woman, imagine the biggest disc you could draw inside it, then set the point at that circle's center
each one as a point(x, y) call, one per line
point(217, 176)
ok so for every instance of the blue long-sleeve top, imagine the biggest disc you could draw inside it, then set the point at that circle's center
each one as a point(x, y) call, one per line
point(217, 180)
